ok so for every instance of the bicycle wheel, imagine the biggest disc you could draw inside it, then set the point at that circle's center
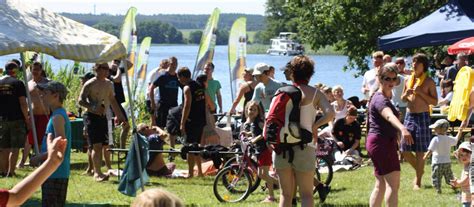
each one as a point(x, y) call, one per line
point(232, 186)
point(324, 171)
point(252, 171)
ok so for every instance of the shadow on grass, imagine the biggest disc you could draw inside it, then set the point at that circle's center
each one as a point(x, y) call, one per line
point(335, 190)
point(37, 202)
point(343, 204)
point(78, 165)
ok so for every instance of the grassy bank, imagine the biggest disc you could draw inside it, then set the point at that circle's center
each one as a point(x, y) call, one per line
point(348, 189)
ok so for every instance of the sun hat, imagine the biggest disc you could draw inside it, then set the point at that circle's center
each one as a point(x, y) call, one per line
point(440, 123)
point(259, 68)
point(465, 145)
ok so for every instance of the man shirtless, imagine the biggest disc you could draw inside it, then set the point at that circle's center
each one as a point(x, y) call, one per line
point(417, 119)
point(40, 111)
point(96, 96)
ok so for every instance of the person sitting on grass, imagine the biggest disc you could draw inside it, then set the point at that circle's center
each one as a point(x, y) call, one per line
point(157, 197)
point(54, 189)
point(440, 147)
point(253, 128)
point(347, 134)
point(156, 165)
point(25, 188)
point(463, 154)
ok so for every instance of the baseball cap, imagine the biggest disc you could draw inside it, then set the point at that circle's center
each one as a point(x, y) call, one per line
point(259, 68)
point(248, 69)
point(55, 87)
point(465, 145)
point(11, 66)
point(440, 123)
point(88, 76)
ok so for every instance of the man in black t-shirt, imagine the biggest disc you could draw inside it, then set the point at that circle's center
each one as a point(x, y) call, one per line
point(193, 119)
point(116, 77)
point(168, 86)
point(347, 132)
point(13, 119)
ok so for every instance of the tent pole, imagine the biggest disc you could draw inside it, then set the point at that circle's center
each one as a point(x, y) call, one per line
point(134, 126)
point(30, 110)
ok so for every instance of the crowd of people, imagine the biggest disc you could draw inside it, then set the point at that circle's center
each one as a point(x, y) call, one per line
point(398, 124)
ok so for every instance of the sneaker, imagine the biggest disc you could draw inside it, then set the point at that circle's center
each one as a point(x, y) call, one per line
point(323, 193)
point(269, 199)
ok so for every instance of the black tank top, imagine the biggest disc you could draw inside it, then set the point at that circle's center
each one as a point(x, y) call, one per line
point(118, 88)
point(248, 95)
point(197, 114)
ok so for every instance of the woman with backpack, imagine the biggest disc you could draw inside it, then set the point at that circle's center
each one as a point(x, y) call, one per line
point(300, 172)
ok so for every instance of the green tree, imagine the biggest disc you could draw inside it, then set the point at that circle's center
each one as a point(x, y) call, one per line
point(108, 27)
point(195, 37)
point(354, 26)
point(159, 32)
point(222, 37)
point(279, 18)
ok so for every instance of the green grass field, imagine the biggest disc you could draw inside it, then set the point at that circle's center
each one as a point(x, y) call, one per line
point(348, 189)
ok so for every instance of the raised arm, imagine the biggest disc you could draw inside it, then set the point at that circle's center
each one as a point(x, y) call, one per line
point(388, 115)
point(242, 90)
point(25, 188)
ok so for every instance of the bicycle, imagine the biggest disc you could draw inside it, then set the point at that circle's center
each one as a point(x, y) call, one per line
point(324, 162)
point(235, 182)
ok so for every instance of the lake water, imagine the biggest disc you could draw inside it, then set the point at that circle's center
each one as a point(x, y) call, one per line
point(328, 67)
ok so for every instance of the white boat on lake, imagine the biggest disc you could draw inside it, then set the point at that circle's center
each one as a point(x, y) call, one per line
point(284, 45)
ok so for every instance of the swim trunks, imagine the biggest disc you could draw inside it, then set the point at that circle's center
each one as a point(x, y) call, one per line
point(418, 125)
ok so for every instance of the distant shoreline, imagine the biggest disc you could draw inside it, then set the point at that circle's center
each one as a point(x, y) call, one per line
point(262, 49)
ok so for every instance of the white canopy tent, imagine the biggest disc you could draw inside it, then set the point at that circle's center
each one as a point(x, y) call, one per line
point(29, 28)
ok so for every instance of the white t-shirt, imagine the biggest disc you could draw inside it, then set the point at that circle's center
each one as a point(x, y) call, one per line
point(370, 80)
point(398, 91)
point(448, 97)
point(441, 145)
point(151, 78)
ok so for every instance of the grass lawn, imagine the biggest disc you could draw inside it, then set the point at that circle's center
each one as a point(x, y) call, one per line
point(348, 189)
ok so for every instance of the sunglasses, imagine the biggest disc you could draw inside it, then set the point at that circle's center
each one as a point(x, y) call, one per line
point(388, 79)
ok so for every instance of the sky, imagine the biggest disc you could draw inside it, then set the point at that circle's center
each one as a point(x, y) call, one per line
point(152, 7)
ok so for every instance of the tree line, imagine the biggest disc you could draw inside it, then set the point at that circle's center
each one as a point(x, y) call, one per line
point(163, 28)
point(180, 21)
point(163, 33)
